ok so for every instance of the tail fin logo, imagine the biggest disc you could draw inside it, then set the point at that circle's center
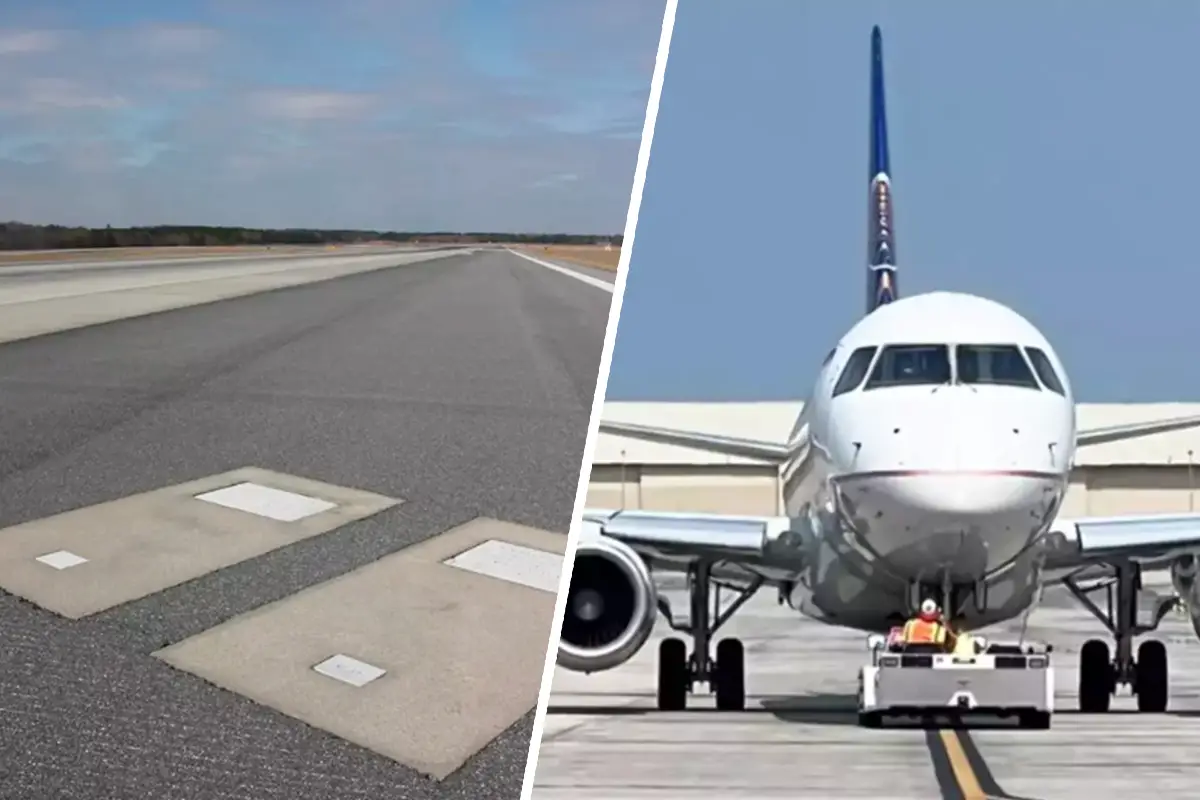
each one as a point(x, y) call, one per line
point(885, 287)
point(881, 217)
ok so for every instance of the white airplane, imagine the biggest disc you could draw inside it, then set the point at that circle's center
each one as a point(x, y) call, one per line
point(929, 460)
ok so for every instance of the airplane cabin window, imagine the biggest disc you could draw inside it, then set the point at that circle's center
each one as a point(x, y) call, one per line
point(911, 365)
point(855, 370)
point(993, 364)
point(1045, 370)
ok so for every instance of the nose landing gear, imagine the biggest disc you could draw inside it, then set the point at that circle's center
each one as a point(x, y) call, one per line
point(1147, 675)
point(952, 597)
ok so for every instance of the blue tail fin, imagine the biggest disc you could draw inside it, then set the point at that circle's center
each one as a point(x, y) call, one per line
point(881, 243)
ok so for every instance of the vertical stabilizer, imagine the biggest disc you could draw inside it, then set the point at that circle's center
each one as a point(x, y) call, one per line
point(881, 243)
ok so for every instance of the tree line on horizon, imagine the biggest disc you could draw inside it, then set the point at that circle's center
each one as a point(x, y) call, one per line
point(23, 236)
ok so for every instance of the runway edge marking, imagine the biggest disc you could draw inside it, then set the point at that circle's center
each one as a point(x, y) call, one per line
point(579, 276)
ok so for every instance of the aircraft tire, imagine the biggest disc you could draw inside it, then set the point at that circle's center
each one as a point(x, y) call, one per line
point(1035, 720)
point(730, 679)
point(1151, 672)
point(870, 719)
point(673, 677)
point(1095, 678)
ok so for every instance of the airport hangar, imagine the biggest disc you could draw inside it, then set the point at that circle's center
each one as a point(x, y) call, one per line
point(1149, 474)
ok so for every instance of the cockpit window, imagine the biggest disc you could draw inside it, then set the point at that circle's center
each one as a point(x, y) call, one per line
point(1045, 370)
point(995, 364)
point(911, 365)
point(855, 370)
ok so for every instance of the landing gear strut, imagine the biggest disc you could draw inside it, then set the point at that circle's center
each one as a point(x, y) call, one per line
point(678, 672)
point(1146, 675)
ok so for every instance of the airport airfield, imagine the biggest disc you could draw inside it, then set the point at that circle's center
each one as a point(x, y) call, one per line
point(286, 524)
point(799, 737)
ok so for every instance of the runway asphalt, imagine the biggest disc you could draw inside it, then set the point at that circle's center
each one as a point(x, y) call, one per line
point(456, 389)
point(798, 737)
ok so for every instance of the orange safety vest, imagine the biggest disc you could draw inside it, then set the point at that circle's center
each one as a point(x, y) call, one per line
point(919, 631)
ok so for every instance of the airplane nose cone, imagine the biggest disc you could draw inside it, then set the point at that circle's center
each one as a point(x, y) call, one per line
point(968, 522)
point(965, 494)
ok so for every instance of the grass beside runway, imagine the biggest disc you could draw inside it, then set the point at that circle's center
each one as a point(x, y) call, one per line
point(586, 255)
point(139, 253)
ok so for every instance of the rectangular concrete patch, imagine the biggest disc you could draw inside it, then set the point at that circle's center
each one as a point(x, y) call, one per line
point(527, 566)
point(420, 661)
point(91, 559)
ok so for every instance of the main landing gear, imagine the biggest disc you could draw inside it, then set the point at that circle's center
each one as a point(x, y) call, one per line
point(1146, 676)
point(678, 672)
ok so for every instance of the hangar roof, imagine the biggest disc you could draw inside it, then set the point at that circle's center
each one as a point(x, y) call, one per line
point(771, 421)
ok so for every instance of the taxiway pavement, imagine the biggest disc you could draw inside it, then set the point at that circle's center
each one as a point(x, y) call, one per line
point(799, 738)
point(199, 507)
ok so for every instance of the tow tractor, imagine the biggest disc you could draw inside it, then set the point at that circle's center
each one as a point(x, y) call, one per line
point(923, 680)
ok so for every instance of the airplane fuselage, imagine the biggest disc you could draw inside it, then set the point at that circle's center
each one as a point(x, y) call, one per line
point(940, 439)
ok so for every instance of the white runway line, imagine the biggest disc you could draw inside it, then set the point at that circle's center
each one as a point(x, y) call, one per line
point(579, 276)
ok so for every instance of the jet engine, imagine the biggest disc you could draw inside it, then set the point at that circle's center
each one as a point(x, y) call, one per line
point(610, 607)
point(1183, 576)
point(1183, 579)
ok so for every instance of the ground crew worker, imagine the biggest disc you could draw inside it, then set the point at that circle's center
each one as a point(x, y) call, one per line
point(927, 627)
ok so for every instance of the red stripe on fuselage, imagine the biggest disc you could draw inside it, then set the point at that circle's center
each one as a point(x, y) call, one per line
point(933, 473)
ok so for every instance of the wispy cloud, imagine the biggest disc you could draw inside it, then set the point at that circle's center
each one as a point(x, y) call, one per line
point(560, 179)
point(62, 93)
point(365, 113)
point(176, 39)
point(306, 105)
point(42, 95)
point(24, 42)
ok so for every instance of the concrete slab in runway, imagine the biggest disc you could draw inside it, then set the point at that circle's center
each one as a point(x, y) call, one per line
point(799, 738)
point(462, 386)
point(455, 657)
point(90, 559)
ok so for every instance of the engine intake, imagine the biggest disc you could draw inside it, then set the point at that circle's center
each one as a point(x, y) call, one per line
point(610, 607)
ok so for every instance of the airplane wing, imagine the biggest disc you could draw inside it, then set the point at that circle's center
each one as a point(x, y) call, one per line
point(1146, 539)
point(714, 535)
point(776, 452)
point(1116, 433)
point(670, 542)
point(773, 452)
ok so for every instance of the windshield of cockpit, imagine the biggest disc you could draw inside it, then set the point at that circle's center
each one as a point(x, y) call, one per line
point(996, 364)
point(938, 364)
point(911, 365)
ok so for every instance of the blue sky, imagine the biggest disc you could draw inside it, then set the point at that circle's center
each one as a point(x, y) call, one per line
point(1041, 156)
point(422, 114)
